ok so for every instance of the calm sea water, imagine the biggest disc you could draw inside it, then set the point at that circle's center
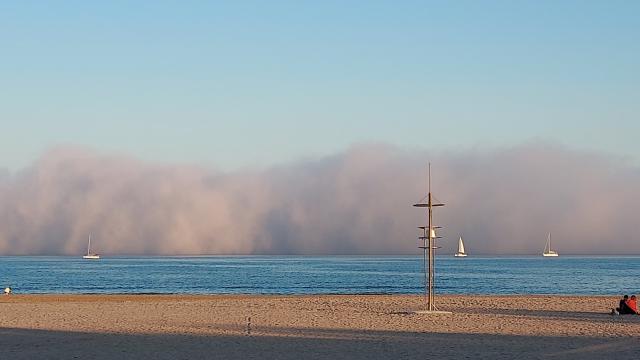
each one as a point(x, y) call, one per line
point(320, 275)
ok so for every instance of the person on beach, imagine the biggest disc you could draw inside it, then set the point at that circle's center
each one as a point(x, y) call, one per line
point(622, 306)
point(628, 306)
point(7, 291)
point(632, 305)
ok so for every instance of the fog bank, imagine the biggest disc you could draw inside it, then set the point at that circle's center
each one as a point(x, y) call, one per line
point(502, 201)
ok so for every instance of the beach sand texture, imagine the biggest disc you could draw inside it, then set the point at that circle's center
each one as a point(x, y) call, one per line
point(313, 327)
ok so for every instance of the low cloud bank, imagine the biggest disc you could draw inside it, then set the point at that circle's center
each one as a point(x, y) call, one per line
point(502, 201)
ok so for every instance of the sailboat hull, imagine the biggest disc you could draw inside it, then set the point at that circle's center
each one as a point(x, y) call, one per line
point(91, 257)
point(460, 255)
point(550, 255)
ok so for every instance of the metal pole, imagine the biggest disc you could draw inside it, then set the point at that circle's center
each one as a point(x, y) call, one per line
point(430, 254)
point(430, 225)
point(425, 267)
point(429, 249)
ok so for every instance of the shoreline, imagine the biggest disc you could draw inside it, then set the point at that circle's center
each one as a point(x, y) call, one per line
point(308, 294)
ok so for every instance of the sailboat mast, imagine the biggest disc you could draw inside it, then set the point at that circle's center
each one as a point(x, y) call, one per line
point(89, 245)
point(547, 247)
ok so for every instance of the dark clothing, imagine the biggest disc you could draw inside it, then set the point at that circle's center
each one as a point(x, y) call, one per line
point(622, 307)
point(625, 309)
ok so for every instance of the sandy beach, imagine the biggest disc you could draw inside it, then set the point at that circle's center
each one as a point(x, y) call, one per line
point(312, 327)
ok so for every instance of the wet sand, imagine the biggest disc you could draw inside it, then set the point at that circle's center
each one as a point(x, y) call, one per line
point(313, 327)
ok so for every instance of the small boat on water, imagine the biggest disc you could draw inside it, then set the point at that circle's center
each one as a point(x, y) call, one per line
point(547, 248)
point(460, 252)
point(90, 255)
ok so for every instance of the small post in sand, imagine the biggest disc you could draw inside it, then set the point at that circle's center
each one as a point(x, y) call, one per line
point(428, 247)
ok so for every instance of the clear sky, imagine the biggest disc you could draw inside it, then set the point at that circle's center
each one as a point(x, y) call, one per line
point(244, 83)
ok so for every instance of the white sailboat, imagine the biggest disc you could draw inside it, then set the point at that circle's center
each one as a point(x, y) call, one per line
point(460, 252)
point(547, 248)
point(90, 255)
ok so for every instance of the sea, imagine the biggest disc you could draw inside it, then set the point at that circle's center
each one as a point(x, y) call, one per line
point(577, 275)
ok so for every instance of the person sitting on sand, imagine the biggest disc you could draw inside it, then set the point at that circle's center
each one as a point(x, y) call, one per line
point(7, 291)
point(627, 306)
point(622, 306)
point(632, 305)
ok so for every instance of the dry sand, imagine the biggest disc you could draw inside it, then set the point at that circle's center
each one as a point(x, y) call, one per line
point(312, 327)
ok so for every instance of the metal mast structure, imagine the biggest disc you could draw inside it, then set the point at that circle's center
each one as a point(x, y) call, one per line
point(429, 236)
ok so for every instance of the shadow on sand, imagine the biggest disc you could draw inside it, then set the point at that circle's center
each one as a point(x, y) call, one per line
point(604, 317)
point(307, 344)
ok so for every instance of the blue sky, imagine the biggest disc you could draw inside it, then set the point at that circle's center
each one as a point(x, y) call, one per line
point(243, 83)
